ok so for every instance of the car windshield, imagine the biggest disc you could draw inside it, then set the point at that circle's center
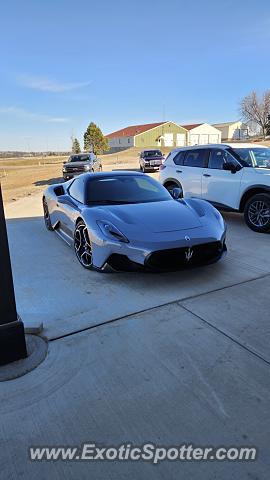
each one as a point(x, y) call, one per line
point(254, 157)
point(124, 190)
point(79, 158)
point(153, 153)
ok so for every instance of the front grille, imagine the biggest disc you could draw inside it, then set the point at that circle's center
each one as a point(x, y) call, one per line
point(177, 258)
point(74, 169)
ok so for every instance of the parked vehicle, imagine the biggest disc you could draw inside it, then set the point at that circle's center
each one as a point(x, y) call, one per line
point(234, 177)
point(125, 220)
point(81, 163)
point(151, 160)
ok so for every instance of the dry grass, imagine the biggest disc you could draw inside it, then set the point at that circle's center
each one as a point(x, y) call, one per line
point(25, 176)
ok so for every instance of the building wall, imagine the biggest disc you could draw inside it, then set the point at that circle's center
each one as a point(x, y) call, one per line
point(237, 131)
point(234, 131)
point(204, 134)
point(224, 132)
point(162, 136)
point(121, 142)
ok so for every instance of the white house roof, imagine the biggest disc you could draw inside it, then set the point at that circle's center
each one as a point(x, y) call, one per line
point(225, 124)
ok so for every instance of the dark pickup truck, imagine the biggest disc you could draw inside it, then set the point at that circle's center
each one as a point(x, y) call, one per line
point(81, 163)
point(151, 160)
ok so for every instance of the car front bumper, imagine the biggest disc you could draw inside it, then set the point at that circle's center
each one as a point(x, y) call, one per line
point(170, 255)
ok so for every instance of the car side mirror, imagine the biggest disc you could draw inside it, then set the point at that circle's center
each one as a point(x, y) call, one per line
point(230, 167)
point(175, 193)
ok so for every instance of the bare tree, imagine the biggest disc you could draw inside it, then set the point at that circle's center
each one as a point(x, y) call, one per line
point(256, 109)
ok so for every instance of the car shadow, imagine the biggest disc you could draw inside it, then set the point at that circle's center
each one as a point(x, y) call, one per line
point(49, 181)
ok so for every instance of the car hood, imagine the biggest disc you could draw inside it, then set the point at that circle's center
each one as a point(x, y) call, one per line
point(262, 171)
point(76, 164)
point(157, 217)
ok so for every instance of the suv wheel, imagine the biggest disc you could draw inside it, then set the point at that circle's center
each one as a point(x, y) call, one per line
point(257, 213)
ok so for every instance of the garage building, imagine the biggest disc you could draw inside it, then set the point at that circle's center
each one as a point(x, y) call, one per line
point(150, 135)
point(202, 133)
point(233, 130)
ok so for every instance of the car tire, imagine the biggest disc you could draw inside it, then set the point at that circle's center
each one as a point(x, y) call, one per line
point(83, 246)
point(47, 218)
point(257, 213)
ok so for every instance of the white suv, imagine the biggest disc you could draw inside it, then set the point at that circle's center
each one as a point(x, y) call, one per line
point(234, 177)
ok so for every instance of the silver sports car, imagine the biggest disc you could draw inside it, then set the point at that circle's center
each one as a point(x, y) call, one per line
point(126, 220)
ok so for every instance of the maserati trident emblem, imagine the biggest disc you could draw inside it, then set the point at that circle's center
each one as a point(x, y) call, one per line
point(188, 254)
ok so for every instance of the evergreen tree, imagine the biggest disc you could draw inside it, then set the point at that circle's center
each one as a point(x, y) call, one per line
point(76, 146)
point(94, 140)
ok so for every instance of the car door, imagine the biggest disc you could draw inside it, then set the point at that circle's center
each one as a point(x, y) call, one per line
point(191, 170)
point(220, 184)
point(71, 206)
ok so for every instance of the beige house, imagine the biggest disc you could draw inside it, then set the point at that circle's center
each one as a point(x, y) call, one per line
point(232, 130)
point(202, 133)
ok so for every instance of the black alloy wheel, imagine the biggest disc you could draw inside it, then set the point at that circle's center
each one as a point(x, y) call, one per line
point(257, 213)
point(47, 218)
point(82, 245)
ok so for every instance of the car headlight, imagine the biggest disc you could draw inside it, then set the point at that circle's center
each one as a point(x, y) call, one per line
point(220, 218)
point(64, 169)
point(111, 231)
point(86, 167)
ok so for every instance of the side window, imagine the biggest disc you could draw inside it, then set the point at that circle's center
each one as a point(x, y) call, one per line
point(179, 158)
point(76, 189)
point(196, 158)
point(218, 158)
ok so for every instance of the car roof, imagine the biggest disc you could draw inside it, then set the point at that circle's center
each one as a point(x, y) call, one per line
point(114, 173)
point(219, 145)
point(81, 154)
point(151, 150)
point(246, 145)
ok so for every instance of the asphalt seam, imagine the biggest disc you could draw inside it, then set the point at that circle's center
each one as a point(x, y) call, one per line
point(173, 302)
point(222, 332)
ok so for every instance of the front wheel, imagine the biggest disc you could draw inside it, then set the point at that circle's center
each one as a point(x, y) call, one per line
point(257, 213)
point(82, 246)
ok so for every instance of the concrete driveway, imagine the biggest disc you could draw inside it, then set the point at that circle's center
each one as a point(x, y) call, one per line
point(179, 358)
point(67, 298)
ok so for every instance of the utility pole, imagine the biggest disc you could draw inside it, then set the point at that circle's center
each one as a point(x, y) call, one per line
point(12, 338)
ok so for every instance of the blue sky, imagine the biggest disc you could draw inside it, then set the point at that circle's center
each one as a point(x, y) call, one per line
point(118, 63)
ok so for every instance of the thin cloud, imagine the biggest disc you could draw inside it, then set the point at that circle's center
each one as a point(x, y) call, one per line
point(25, 114)
point(48, 85)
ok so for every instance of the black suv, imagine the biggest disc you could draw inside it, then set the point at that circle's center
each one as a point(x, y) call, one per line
point(151, 160)
point(81, 163)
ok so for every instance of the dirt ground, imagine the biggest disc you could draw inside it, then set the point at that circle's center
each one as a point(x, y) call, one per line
point(21, 177)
